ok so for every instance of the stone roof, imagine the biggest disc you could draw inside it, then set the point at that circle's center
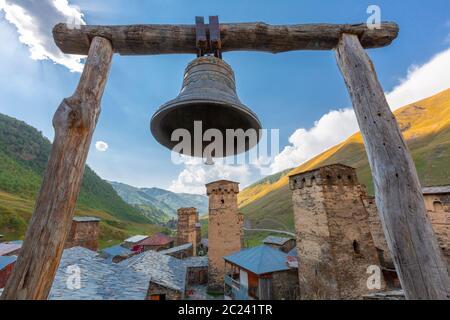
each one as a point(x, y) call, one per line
point(177, 249)
point(159, 239)
point(276, 240)
point(86, 219)
point(159, 268)
point(135, 239)
point(99, 280)
point(194, 262)
point(436, 190)
point(115, 251)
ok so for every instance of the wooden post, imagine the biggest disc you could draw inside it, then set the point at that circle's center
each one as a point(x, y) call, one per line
point(409, 234)
point(74, 123)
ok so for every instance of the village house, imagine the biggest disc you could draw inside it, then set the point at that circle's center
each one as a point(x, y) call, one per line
point(157, 242)
point(132, 241)
point(260, 273)
point(84, 232)
point(6, 268)
point(282, 243)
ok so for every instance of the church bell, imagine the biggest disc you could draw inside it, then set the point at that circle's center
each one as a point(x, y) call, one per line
point(208, 95)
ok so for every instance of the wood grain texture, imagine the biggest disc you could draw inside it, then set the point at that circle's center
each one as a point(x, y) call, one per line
point(74, 123)
point(166, 39)
point(410, 237)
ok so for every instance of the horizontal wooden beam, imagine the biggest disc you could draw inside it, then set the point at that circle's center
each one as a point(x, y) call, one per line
point(167, 39)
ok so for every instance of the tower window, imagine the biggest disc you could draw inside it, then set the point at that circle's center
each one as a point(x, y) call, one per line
point(222, 201)
point(356, 248)
point(437, 206)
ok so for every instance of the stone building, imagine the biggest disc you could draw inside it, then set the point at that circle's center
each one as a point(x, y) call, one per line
point(334, 243)
point(260, 273)
point(84, 233)
point(437, 203)
point(282, 243)
point(189, 229)
point(156, 242)
point(224, 229)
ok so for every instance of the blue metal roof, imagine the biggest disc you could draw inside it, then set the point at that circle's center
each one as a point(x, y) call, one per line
point(260, 260)
point(6, 261)
point(117, 251)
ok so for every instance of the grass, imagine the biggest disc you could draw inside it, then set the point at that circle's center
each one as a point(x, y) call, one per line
point(15, 212)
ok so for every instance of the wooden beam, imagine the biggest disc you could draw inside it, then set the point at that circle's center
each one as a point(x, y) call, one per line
point(166, 39)
point(410, 237)
point(74, 123)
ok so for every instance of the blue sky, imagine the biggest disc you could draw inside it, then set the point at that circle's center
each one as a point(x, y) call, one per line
point(301, 93)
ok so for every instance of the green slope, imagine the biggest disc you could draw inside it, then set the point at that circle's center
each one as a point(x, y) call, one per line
point(426, 128)
point(23, 158)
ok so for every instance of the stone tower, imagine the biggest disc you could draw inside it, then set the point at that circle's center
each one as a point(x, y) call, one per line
point(224, 229)
point(334, 243)
point(189, 228)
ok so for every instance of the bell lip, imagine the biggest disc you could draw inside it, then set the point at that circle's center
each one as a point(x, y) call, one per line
point(161, 110)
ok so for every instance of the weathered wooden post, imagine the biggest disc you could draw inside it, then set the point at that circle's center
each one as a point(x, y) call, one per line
point(74, 124)
point(412, 242)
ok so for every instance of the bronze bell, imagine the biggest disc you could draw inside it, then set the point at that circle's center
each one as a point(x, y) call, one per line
point(209, 95)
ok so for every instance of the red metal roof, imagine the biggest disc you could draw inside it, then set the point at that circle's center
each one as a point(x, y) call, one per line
point(158, 239)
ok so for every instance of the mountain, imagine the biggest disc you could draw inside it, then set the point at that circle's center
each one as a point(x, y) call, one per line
point(164, 201)
point(426, 127)
point(24, 152)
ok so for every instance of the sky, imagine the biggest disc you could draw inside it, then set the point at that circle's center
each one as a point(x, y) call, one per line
point(300, 93)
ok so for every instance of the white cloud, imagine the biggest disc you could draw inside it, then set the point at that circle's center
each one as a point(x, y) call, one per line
point(101, 146)
point(336, 126)
point(422, 81)
point(35, 20)
point(196, 174)
point(331, 129)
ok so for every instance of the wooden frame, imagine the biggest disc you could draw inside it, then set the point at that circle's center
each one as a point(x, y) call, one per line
point(417, 258)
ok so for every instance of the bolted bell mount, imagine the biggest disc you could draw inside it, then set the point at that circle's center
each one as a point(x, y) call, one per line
point(207, 99)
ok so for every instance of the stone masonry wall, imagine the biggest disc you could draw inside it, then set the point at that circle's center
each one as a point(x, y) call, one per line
point(224, 229)
point(187, 231)
point(334, 243)
point(83, 234)
point(438, 211)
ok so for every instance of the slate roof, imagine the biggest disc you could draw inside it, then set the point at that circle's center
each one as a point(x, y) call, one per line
point(159, 268)
point(86, 219)
point(115, 251)
point(6, 261)
point(159, 239)
point(436, 190)
point(135, 239)
point(9, 247)
point(177, 249)
point(204, 242)
point(99, 280)
point(260, 260)
point(276, 240)
point(193, 262)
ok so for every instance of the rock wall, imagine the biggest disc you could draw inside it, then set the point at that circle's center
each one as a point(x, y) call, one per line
point(334, 242)
point(224, 229)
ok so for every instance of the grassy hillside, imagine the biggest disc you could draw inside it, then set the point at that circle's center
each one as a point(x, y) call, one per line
point(426, 128)
point(23, 158)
